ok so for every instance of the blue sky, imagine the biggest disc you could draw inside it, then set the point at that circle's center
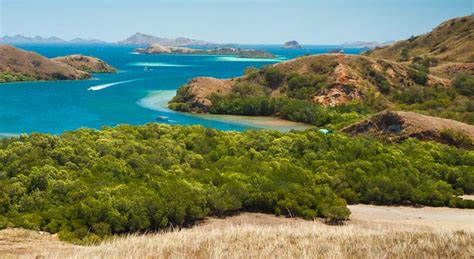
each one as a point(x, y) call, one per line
point(236, 21)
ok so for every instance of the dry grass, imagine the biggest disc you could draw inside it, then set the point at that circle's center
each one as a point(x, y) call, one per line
point(373, 232)
point(301, 240)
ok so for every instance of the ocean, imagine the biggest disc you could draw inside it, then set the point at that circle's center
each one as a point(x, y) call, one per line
point(131, 96)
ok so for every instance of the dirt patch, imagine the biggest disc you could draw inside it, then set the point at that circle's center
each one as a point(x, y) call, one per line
point(337, 94)
point(25, 243)
point(468, 197)
point(435, 218)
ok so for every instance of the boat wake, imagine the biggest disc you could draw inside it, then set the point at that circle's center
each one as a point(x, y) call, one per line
point(239, 59)
point(156, 64)
point(101, 87)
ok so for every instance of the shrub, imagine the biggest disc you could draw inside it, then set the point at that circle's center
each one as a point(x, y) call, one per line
point(457, 138)
point(464, 84)
point(324, 66)
point(248, 89)
point(273, 77)
point(418, 76)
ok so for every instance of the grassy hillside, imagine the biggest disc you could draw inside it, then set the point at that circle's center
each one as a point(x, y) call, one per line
point(451, 41)
point(86, 185)
point(20, 65)
point(331, 90)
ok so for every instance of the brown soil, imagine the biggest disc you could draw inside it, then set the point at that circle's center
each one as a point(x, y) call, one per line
point(426, 217)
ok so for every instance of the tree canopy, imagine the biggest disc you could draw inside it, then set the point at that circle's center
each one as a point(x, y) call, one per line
point(89, 184)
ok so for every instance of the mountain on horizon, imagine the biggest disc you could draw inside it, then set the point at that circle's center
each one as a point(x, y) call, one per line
point(146, 39)
point(87, 41)
point(366, 44)
point(24, 39)
point(18, 39)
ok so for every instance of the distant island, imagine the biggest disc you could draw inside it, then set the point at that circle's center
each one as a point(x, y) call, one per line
point(292, 45)
point(145, 39)
point(19, 65)
point(243, 53)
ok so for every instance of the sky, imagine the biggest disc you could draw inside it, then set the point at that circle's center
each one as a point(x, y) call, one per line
point(230, 21)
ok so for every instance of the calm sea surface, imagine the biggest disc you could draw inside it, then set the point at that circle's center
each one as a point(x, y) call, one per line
point(131, 96)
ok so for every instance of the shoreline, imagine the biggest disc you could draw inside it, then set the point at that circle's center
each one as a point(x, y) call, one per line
point(261, 122)
point(8, 135)
point(158, 101)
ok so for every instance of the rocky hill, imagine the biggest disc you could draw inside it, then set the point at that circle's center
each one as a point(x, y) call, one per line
point(145, 39)
point(398, 126)
point(85, 63)
point(451, 41)
point(20, 65)
point(329, 80)
point(292, 45)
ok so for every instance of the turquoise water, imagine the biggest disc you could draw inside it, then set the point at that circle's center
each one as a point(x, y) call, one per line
point(131, 96)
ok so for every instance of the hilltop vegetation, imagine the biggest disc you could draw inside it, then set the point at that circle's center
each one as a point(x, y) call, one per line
point(327, 90)
point(451, 41)
point(88, 64)
point(87, 184)
point(447, 50)
point(427, 74)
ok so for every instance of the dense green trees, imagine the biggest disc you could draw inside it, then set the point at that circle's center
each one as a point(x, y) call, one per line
point(87, 184)
point(287, 108)
point(14, 77)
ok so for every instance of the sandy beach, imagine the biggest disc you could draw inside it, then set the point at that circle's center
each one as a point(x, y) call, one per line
point(158, 101)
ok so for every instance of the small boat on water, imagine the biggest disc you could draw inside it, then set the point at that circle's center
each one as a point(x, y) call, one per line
point(146, 69)
point(162, 118)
